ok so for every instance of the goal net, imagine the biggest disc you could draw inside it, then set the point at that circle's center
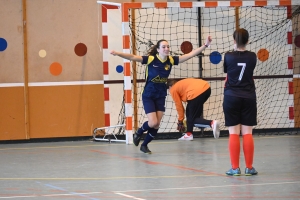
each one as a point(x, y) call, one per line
point(269, 28)
point(273, 28)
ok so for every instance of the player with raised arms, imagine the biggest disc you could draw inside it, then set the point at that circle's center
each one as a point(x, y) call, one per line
point(159, 65)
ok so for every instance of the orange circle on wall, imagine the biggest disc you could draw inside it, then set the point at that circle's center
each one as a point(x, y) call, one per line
point(263, 55)
point(55, 69)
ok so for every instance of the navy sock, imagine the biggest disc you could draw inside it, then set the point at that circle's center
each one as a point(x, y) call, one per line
point(150, 135)
point(144, 127)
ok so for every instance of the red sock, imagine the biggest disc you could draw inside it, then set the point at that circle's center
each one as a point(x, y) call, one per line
point(234, 150)
point(248, 146)
point(189, 133)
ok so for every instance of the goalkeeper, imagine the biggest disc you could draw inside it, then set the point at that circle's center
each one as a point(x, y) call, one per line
point(195, 92)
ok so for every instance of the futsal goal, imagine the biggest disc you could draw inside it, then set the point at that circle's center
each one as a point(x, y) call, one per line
point(274, 36)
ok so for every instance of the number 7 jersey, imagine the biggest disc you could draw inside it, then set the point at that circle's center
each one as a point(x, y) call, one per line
point(239, 66)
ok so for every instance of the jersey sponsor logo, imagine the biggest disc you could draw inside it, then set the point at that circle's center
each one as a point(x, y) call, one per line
point(159, 79)
point(167, 67)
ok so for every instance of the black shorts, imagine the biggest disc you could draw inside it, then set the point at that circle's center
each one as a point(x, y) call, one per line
point(154, 104)
point(239, 110)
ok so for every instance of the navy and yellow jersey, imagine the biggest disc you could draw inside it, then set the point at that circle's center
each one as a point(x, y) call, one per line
point(239, 66)
point(156, 75)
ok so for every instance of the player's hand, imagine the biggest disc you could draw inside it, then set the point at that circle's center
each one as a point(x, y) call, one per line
point(208, 40)
point(180, 126)
point(113, 52)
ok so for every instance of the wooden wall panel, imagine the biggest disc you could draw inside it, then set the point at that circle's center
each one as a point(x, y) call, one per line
point(65, 111)
point(56, 27)
point(12, 113)
point(11, 30)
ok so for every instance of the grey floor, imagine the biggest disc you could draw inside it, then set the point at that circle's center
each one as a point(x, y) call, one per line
point(175, 170)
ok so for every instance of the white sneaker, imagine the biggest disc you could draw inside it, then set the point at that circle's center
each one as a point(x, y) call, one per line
point(216, 128)
point(186, 137)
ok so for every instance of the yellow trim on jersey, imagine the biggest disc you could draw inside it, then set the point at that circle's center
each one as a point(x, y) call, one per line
point(171, 60)
point(150, 59)
point(146, 74)
point(160, 59)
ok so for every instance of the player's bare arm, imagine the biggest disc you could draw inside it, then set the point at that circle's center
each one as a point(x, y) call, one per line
point(127, 56)
point(195, 52)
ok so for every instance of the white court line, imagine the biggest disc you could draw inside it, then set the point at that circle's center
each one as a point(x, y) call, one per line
point(132, 197)
point(161, 189)
point(49, 195)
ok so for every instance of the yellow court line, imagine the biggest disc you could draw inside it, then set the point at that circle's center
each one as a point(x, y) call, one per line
point(105, 178)
point(226, 138)
point(154, 142)
point(56, 147)
point(274, 137)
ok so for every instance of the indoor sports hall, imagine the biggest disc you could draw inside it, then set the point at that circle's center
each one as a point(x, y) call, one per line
point(69, 108)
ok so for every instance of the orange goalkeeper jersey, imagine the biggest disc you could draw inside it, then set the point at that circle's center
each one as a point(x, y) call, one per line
point(187, 89)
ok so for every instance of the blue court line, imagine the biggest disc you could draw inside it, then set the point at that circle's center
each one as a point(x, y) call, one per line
point(74, 193)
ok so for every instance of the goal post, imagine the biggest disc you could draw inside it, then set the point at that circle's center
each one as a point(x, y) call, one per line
point(273, 28)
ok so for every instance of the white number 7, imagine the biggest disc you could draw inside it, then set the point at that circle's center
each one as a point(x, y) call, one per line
point(242, 71)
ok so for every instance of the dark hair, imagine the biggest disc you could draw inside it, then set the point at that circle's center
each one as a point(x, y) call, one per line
point(171, 82)
point(153, 50)
point(241, 37)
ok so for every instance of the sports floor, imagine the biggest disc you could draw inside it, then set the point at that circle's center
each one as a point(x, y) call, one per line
point(182, 170)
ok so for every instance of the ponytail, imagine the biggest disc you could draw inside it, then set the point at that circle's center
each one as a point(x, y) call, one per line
point(241, 37)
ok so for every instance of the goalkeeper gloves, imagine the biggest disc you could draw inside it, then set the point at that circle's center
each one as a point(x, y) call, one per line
point(180, 126)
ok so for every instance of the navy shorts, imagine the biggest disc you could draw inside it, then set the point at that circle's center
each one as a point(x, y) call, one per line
point(154, 104)
point(239, 110)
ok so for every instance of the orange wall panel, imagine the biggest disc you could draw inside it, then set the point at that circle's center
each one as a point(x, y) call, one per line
point(12, 113)
point(65, 111)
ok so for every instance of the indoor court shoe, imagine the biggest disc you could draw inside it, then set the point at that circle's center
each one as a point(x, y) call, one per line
point(250, 172)
point(136, 139)
point(186, 137)
point(145, 149)
point(234, 172)
point(216, 128)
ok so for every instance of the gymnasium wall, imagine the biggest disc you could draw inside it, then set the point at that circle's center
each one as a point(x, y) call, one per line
point(51, 82)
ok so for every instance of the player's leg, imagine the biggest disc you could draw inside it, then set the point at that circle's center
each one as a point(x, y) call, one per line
point(198, 103)
point(231, 107)
point(249, 116)
point(152, 132)
point(188, 135)
point(156, 116)
point(150, 110)
point(194, 110)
